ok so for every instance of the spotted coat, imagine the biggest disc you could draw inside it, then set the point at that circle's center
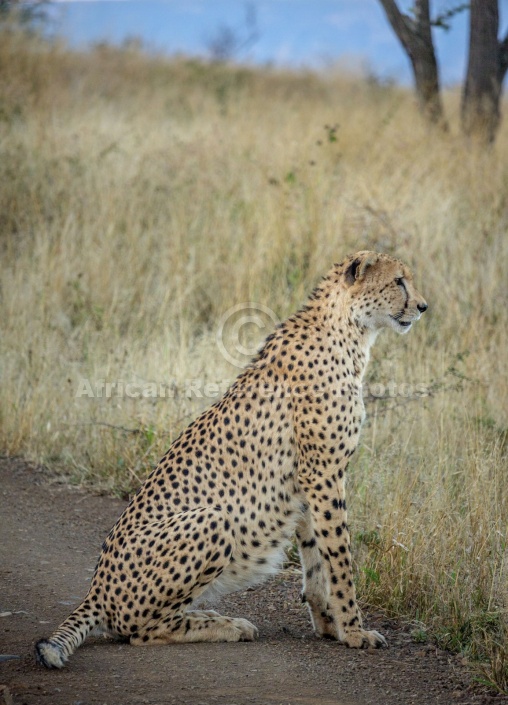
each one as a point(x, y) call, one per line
point(264, 463)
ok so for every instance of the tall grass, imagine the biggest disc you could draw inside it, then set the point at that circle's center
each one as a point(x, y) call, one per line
point(141, 198)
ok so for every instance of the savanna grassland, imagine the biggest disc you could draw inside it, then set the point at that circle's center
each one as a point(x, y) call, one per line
point(142, 198)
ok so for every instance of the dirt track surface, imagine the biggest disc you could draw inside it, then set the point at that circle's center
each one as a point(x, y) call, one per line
point(50, 539)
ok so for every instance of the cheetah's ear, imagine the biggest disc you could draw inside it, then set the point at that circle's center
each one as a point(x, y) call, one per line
point(358, 267)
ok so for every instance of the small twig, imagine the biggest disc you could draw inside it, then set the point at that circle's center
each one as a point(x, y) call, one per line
point(392, 407)
point(442, 20)
point(182, 418)
point(109, 425)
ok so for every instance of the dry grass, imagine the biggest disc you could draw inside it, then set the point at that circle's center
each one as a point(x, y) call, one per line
point(140, 199)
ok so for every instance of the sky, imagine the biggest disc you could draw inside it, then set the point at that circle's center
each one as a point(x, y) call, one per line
point(296, 33)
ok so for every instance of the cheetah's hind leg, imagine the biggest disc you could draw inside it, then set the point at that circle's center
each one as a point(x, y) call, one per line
point(177, 627)
point(193, 549)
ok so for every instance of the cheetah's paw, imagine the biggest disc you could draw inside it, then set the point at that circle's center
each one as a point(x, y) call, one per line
point(363, 639)
point(246, 630)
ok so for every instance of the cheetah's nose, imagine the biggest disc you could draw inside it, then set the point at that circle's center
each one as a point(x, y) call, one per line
point(422, 307)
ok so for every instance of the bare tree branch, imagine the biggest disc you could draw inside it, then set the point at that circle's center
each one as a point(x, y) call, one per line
point(442, 20)
point(402, 25)
point(422, 16)
point(415, 35)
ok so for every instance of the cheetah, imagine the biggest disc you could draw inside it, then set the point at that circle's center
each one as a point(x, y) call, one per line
point(266, 462)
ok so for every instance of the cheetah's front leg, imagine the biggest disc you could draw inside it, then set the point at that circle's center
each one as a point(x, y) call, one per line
point(315, 579)
point(326, 556)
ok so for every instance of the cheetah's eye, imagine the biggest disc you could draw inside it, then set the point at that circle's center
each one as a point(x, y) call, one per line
point(399, 281)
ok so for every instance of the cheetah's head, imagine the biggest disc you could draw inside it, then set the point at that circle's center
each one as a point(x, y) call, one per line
point(381, 292)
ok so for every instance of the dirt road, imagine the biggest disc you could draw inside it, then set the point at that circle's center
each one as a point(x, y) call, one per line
point(50, 538)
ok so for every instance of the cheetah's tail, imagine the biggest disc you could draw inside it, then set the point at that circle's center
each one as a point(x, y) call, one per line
point(54, 652)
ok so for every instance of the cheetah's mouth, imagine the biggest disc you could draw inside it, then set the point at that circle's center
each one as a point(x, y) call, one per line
point(404, 324)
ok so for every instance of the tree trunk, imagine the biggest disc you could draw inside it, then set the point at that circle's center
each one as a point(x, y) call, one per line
point(485, 72)
point(415, 35)
point(427, 82)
